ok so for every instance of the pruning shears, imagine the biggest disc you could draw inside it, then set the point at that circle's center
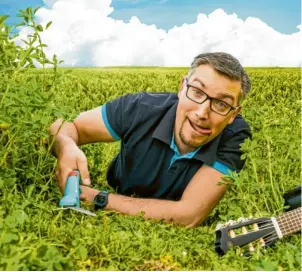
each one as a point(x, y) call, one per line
point(71, 198)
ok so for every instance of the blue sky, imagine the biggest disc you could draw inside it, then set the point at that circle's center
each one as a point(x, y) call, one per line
point(104, 33)
point(282, 15)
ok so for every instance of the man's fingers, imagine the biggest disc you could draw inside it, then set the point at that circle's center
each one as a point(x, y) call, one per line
point(82, 197)
point(83, 168)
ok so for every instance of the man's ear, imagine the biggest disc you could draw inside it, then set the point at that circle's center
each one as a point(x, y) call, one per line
point(235, 113)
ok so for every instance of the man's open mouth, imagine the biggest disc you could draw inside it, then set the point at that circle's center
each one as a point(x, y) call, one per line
point(199, 129)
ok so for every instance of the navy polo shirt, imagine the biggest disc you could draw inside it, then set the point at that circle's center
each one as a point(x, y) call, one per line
point(149, 164)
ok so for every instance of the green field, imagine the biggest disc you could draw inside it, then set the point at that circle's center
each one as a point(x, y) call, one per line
point(34, 236)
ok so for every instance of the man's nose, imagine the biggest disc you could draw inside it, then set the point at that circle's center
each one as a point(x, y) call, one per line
point(203, 109)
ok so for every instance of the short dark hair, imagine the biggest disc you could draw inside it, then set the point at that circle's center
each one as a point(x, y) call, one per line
point(227, 65)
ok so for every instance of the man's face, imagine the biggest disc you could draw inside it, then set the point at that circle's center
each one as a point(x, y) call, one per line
point(196, 124)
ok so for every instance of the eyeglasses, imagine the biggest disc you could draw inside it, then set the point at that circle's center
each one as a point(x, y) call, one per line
point(200, 97)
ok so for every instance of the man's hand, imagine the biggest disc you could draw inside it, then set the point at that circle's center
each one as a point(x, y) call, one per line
point(88, 127)
point(88, 194)
point(70, 158)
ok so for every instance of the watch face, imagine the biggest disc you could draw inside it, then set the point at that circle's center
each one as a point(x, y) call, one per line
point(100, 199)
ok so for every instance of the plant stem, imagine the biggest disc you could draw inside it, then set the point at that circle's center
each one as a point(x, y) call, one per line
point(9, 144)
point(270, 172)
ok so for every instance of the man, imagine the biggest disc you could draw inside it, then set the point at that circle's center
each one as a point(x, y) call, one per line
point(174, 147)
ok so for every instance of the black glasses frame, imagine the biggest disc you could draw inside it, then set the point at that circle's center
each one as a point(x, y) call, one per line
point(210, 98)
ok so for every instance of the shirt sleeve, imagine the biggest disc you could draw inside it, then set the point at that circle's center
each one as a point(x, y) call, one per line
point(228, 152)
point(120, 113)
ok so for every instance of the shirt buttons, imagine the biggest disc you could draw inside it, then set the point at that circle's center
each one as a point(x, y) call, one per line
point(173, 168)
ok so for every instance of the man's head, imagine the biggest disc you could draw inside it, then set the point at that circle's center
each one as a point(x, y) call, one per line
point(210, 97)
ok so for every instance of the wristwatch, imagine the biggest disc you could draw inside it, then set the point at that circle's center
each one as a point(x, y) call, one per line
point(101, 200)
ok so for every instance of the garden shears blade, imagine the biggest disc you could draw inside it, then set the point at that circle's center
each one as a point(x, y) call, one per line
point(78, 210)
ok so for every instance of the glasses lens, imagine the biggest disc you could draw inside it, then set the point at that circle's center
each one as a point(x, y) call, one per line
point(196, 94)
point(220, 107)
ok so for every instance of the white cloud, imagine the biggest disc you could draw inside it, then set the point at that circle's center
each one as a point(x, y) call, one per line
point(82, 33)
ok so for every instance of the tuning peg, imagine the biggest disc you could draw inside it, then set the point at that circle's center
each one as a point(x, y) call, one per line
point(261, 240)
point(242, 219)
point(219, 226)
point(250, 245)
point(231, 222)
point(226, 224)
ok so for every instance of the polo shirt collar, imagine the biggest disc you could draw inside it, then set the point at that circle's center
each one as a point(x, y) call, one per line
point(189, 155)
point(164, 132)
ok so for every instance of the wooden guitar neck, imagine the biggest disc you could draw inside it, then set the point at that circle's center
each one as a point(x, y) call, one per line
point(290, 222)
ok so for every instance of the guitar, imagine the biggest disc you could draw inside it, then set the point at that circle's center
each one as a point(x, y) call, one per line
point(263, 230)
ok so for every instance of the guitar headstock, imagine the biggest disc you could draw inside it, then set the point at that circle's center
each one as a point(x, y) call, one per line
point(245, 231)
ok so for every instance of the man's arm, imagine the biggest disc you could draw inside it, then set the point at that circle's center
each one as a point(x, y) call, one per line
point(88, 127)
point(198, 200)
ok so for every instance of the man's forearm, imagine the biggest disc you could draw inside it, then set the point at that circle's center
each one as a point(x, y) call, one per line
point(153, 208)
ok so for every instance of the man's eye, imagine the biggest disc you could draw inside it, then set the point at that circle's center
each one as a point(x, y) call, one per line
point(197, 91)
point(221, 104)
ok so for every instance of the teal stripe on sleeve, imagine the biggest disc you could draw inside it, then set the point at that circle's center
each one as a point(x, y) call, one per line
point(111, 131)
point(223, 169)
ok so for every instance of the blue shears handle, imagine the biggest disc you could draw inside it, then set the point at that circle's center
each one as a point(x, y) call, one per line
point(72, 191)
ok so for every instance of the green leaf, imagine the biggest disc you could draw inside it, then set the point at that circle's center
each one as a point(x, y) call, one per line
point(243, 157)
point(42, 251)
point(26, 42)
point(29, 190)
point(3, 18)
point(20, 24)
point(20, 216)
point(35, 56)
point(22, 13)
point(29, 11)
point(267, 265)
point(9, 182)
point(36, 9)
point(48, 24)
point(82, 253)
point(45, 120)
point(9, 237)
point(40, 28)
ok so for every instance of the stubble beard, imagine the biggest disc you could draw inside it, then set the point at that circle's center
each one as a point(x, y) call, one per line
point(184, 139)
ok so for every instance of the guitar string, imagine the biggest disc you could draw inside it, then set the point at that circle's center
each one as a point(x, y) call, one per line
point(265, 238)
point(267, 234)
point(273, 238)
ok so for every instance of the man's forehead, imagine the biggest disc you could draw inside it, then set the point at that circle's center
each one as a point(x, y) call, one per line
point(206, 77)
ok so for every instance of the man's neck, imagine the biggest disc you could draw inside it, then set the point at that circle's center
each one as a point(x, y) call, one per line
point(182, 147)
